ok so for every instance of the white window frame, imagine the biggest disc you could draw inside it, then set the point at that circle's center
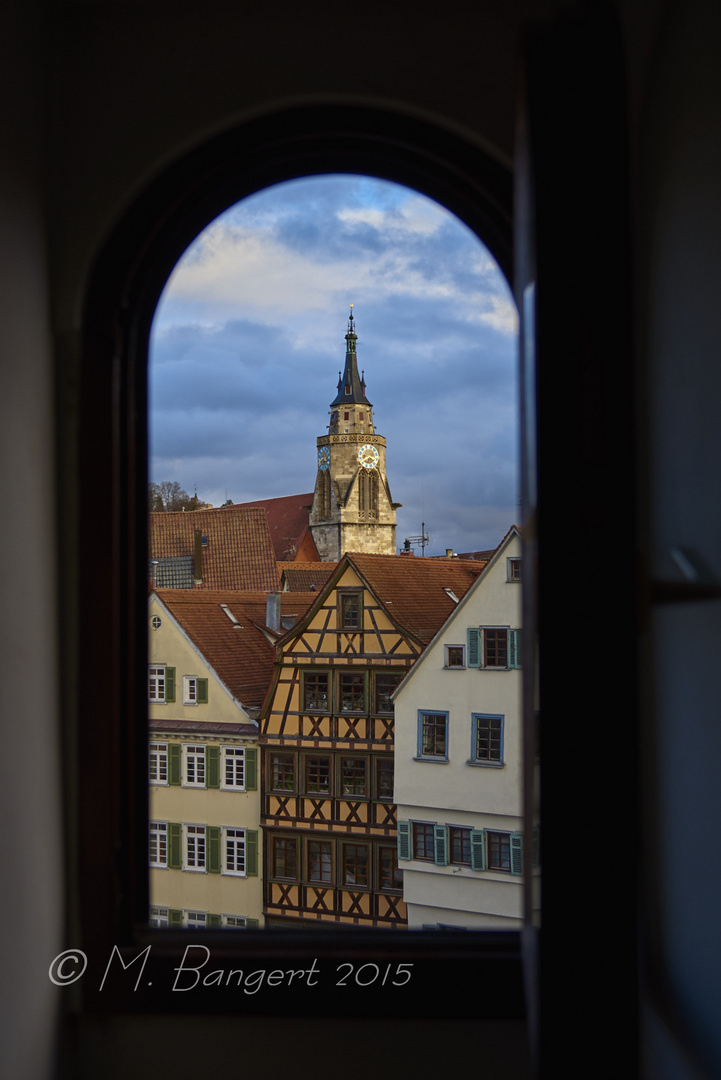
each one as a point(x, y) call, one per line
point(446, 655)
point(194, 761)
point(230, 755)
point(512, 561)
point(154, 679)
point(158, 916)
point(233, 838)
point(195, 920)
point(236, 922)
point(190, 690)
point(157, 761)
point(195, 848)
point(158, 840)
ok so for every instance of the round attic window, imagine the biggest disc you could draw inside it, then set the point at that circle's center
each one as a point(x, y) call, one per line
point(156, 622)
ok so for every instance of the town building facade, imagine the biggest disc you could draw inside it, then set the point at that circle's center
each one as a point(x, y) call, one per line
point(458, 760)
point(327, 737)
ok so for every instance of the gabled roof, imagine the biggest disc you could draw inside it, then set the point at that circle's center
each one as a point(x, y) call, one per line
point(287, 518)
point(238, 553)
point(239, 652)
point(482, 574)
point(414, 590)
point(305, 576)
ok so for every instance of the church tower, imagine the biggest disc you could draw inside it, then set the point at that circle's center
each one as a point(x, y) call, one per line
point(352, 506)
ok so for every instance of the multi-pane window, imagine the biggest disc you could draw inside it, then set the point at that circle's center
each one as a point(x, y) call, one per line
point(355, 864)
point(158, 916)
point(423, 842)
point(455, 656)
point(315, 691)
point(384, 778)
point(158, 763)
point(389, 876)
point(317, 774)
point(498, 849)
point(194, 766)
point(353, 776)
point(237, 922)
point(433, 734)
point(386, 682)
point(350, 608)
point(158, 843)
point(156, 683)
point(320, 861)
point(195, 920)
point(353, 692)
point(285, 857)
point(495, 648)
point(459, 843)
point(514, 569)
point(233, 767)
point(195, 847)
point(190, 690)
point(233, 851)
point(282, 772)
point(487, 735)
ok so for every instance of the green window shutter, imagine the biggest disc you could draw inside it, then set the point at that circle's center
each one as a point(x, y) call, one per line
point(252, 924)
point(201, 691)
point(440, 845)
point(170, 684)
point(174, 763)
point(478, 849)
point(404, 839)
point(212, 837)
point(517, 853)
point(251, 768)
point(212, 766)
point(474, 646)
point(175, 918)
point(213, 920)
point(514, 648)
point(251, 852)
point(175, 845)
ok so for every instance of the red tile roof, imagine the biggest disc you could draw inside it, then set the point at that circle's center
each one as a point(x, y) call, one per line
point(241, 654)
point(239, 553)
point(288, 526)
point(305, 576)
point(413, 590)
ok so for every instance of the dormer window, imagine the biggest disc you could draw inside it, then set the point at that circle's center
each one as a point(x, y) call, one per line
point(347, 388)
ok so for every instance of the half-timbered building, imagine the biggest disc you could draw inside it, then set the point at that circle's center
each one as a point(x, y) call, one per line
point(327, 738)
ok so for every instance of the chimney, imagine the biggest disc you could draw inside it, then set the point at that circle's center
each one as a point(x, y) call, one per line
point(449, 553)
point(272, 611)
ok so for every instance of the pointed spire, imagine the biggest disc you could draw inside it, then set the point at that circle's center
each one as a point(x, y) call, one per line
point(351, 389)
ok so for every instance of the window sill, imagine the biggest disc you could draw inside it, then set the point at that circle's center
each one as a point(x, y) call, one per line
point(486, 764)
point(433, 760)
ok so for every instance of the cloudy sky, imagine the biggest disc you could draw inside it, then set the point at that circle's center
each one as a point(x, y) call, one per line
point(249, 337)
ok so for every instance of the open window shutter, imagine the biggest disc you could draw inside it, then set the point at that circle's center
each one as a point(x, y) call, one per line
point(212, 836)
point(252, 924)
point(251, 768)
point(517, 853)
point(251, 852)
point(201, 691)
point(440, 844)
point(212, 766)
point(213, 920)
point(174, 763)
point(175, 847)
point(404, 839)
point(175, 918)
point(478, 849)
point(170, 684)
point(474, 646)
point(514, 648)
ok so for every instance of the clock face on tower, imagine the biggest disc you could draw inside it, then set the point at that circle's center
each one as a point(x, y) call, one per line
point(323, 458)
point(368, 456)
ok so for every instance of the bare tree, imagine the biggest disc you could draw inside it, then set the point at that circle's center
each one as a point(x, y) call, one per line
point(168, 496)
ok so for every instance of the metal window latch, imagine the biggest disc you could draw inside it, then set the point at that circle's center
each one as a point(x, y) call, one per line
point(698, 584)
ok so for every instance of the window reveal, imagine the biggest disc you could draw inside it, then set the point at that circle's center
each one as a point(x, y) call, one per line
point(433, 734)
point(317, 775)
point(353, 776)
point(320, 862)
point(355, 865)
point(285, 857)
point(282, 772)
point(487, 744)
point(352, 692)
point(349, 610)
point(315, 691)
point(459, 841)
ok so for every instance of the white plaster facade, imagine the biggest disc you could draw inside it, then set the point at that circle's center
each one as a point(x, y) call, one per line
point(458, 760)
